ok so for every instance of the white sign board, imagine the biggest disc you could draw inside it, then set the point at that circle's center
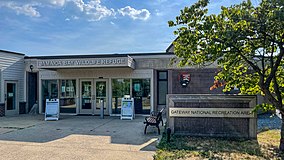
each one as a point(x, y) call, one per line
point(127, 108)
point(52, 109)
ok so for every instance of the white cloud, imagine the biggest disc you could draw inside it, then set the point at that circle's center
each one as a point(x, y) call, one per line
point(27, 9)
point(142, 14)
point(97, 11)
point(93, 9)
point(79, 3)
point(58, 2)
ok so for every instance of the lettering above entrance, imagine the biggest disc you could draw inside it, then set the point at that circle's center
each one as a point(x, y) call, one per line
point(87, 62)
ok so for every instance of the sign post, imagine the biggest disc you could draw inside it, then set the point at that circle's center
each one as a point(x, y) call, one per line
point(127, 108)
point(52, 109)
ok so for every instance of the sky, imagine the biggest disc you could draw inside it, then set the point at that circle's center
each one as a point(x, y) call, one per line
point(66, 27)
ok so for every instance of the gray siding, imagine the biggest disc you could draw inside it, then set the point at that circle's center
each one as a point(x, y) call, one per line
point(1, 90)
point(13, 70)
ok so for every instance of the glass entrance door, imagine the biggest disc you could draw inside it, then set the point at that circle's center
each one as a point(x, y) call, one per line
point(141, 95)
point(11, 102)
point(101, 91)
point(137, 92)
point(86, 97)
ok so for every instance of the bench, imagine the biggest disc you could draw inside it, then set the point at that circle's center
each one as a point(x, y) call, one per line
point(154, 121)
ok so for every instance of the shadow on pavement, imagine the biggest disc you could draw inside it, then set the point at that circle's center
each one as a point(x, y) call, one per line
point(89, 129)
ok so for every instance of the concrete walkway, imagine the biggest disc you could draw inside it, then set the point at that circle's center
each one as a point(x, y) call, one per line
point(76, 137)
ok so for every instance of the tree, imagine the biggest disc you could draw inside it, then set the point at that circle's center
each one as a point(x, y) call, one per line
point(246, 41)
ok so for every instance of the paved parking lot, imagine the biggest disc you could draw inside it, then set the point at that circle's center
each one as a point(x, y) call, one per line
point(76, 137)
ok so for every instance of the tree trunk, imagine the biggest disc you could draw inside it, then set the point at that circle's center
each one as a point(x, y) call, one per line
point(281, 146)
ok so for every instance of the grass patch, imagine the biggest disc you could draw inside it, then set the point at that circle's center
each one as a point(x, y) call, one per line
point(185, 147)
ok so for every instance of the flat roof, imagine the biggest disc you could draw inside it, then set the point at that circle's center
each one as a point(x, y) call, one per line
point(97, 55)
point(12, 52)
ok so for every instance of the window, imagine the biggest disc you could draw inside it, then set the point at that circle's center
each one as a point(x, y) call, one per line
point(67, 96)
point(49, 91)
point(162, 87)
point(142, 95)
point(120, 87)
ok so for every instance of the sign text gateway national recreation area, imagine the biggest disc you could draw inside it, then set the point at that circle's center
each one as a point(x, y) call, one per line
point(211, 112)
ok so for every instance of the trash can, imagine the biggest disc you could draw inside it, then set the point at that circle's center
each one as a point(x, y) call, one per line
point(22, 108)
point(2, 109)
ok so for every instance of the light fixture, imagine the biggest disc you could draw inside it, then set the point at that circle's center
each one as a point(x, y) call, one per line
point(31, 67)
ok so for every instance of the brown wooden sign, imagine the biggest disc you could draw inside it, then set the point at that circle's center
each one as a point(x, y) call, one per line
point(212, 115)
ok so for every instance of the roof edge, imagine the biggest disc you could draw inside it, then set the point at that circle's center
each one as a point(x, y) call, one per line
point(12, 52)
point(171, 45)
point(96, 55)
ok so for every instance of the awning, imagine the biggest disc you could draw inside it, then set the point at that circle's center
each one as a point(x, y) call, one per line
point(108, 62)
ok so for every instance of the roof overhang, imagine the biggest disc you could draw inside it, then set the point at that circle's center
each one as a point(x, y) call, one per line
point(107, 62)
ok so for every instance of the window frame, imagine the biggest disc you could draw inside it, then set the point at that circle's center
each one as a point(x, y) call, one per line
point(158, 86)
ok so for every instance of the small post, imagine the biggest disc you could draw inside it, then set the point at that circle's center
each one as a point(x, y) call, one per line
point(169, 134)
point(102, 108)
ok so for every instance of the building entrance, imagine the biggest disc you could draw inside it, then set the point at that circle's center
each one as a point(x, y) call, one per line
point(93, 92)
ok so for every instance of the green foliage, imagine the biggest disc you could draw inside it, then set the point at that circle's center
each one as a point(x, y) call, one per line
point(264, 107)
point(246, 42)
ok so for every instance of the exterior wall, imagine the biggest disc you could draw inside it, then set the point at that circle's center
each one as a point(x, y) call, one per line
point(1, 89)
point(170, 48)
point(2, 105)
point(158, 63)
point(12, 69)
point(162, 62)
point(201, 78)
point(201, 81)
point(154, 63)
